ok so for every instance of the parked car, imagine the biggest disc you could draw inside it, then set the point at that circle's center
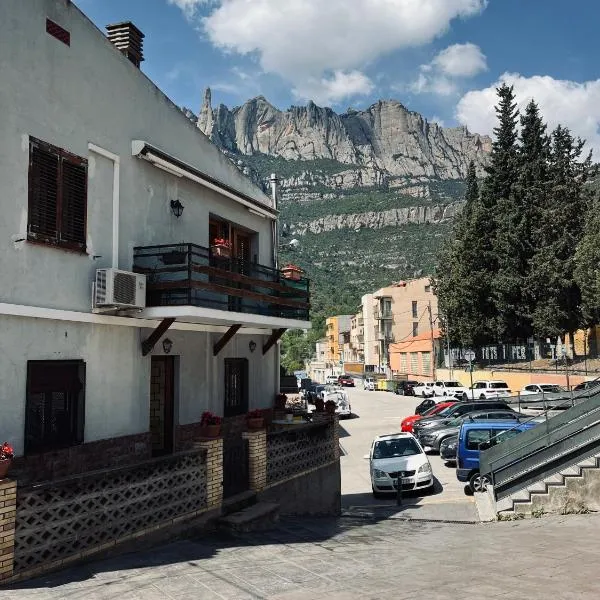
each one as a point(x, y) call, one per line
point(398, 455)
point(425, 406)
point(485, 390)
point(342, 402)
point(449, 388)
point(474, 437)
point(587, 385)
point(314, 391)
point(346, 380)
point(432, 437)
point(539, 388)
point(331, 379)
point(438, 409)
point(459, 409)
point(369, 384)
point(425, 390)
point(406, 388)
point(448, 449)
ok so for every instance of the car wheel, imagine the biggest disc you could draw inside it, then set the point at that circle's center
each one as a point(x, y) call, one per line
point(465, 397)
point(376, 495)
point(445, 394)
point(482, 397)
point(479, 482)
point(440, 442)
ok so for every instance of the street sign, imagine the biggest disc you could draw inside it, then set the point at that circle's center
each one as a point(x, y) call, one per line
point(469, 355)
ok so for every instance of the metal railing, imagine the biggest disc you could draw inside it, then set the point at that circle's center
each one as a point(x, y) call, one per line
point(188, 274)
point(518, 461)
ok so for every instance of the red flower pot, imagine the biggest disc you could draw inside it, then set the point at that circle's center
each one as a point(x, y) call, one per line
point(211, 431)
point(4, 466)
point(222, 251)
point(256, 423)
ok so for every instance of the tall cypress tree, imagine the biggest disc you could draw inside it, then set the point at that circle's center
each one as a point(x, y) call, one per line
point(516, 216)
point(552, 281)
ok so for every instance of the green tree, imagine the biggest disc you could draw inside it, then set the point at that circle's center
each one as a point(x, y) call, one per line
point(516, 214)
point(553, 283)
point(587, 271)
point(295, 349)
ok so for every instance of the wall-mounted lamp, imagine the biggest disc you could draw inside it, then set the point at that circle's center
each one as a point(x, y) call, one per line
point(252, 345)
point(167, 345)
point(176, 208)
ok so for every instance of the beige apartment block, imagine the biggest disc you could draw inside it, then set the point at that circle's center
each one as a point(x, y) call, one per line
point(393, 314)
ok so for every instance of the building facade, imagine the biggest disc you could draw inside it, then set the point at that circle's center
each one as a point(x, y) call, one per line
point(337, 332)
point(417, 357)
point(101, 171)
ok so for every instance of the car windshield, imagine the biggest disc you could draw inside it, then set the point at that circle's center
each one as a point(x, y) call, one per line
point(552, 388)
point(445, 410)
point(451, 384)
point(498, 385)
point(397, 447)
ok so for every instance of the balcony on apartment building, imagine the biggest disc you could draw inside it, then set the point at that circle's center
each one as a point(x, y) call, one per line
point(191, 275)
point(383, 313)
point(385, 336)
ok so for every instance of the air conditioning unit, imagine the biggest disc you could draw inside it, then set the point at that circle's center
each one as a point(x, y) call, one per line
point(119, 289)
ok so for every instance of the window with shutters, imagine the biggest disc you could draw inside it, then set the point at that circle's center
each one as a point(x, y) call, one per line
point(236, 387)
point(414, 362)
point(57, 196)
point(426, 362)
point(55, 405)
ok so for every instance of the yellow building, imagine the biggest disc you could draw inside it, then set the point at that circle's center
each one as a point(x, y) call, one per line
point(336, 328)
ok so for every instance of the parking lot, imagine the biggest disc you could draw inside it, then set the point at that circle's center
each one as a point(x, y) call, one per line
point(378, 413)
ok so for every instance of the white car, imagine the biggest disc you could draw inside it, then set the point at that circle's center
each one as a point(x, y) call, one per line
point(342, 402)
point(331, 380)
point(369, 384)
point(398, 455)
point(487, 390)
point(453, 389)
point(424, 390)
point(542, 388)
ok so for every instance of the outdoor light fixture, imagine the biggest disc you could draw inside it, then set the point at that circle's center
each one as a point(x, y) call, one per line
point(176, 208)
point(167, 345)
point(252, 345)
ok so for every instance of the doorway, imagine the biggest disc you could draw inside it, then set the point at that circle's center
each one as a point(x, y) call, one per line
point(162, 404)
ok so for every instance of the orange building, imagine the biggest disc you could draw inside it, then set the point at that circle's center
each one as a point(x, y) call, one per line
point(416, 357)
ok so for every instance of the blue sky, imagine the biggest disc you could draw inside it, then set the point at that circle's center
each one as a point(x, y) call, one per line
point(442, 58)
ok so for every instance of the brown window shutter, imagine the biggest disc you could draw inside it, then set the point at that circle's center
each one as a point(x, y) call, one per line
point(43, 192)
point(74, 205)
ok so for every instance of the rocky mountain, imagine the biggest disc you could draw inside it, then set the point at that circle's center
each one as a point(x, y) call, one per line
point(379, 185)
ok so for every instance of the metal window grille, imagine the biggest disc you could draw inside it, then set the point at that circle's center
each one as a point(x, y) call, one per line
point(414, 362)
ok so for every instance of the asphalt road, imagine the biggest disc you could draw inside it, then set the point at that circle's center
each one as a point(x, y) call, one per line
point(378, 413)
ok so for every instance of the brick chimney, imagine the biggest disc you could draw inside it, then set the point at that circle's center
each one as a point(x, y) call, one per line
point(128, 39)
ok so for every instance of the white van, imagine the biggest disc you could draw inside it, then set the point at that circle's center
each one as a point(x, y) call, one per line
point(369, 384)
point(331, 380)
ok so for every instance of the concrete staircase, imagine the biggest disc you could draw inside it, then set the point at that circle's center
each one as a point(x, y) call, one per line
point(243, 513)
point(573, 488)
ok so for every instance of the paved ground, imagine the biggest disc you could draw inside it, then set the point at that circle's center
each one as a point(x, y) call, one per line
point(378, 413)
point(372, 553)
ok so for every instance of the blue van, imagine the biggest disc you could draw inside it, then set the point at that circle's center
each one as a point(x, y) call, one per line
point(470, 439)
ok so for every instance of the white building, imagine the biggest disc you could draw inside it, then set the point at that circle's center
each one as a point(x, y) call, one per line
point(96, 165)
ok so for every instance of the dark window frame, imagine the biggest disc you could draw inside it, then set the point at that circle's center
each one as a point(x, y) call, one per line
point(235, 399)
point(415, 309)
point(74, 399)
point(58, 32)
point(415, 331)
point(68, 192)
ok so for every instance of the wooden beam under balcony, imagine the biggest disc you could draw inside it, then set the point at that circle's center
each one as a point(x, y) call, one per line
point(225, 339)
point(274, 337)
point(151, 340)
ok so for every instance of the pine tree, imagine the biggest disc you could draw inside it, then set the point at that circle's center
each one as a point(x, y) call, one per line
point(552, 281)
point(516, 216)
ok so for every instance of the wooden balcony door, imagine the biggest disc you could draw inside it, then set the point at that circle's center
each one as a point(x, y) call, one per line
point(162, 404)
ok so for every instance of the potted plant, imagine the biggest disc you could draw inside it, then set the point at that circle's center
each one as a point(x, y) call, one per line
point(221, 247)
point(210, 424)
point(280, 401)
point(255, 419)
point(330, 407)
point(292, 272)
point(289, 415)
point(319, 405)
point(6, 456)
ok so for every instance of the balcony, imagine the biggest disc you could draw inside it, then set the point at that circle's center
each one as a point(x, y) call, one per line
point(383, 314)
point(385, 337)
point(191, 275)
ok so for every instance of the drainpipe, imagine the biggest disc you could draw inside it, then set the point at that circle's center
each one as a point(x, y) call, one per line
point(274, 182)
point(115, 199)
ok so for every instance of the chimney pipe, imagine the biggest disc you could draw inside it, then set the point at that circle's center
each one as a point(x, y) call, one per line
point(128, 39)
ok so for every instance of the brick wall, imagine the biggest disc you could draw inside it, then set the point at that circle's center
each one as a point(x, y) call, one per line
point(103, 454)
point(8, 508)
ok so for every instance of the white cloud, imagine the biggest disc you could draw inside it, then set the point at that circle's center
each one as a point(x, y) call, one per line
point(461, 60)
point(329, 90)
point(436, 119)
point(575, 105)
point(304, 41)
point(455, 62)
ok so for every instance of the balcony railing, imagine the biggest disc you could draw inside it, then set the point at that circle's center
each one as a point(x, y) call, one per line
point(383, 315)
point(191, 275)
point(385, 337)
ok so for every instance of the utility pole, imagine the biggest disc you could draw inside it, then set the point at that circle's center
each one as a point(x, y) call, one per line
point(432, 340)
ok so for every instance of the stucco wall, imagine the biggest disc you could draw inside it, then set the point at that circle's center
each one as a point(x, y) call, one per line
point(118, 376)
point(89, 92)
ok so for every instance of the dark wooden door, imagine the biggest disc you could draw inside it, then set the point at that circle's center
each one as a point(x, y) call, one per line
point(162, 401)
